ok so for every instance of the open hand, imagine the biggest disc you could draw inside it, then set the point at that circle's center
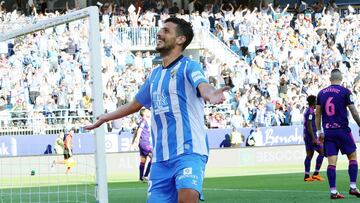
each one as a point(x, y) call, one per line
point(219, 96)
point(99, 121)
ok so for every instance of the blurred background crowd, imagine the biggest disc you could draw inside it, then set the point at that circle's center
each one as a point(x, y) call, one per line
point(284, 55)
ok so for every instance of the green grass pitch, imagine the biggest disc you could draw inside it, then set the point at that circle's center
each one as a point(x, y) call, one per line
point(280, 188)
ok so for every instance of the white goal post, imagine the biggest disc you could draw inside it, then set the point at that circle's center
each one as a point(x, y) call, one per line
point(97, 90)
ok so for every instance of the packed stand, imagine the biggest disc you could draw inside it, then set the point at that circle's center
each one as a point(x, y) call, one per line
point(285, 55)
point(45, 76)
point(283, 58)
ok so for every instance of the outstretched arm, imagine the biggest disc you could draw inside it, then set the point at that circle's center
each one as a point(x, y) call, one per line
point(232, 8)
point(209, 93)
point(285, 9)
point(222, 8)
point(122, 111)
point(323, 11)
point(272, 9)
point(255, 9)
point(138, 13)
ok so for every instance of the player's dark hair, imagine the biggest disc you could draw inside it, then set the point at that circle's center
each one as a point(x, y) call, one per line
point(335, 70)
point(183, 28)
point(335, 75)
point(311, 100)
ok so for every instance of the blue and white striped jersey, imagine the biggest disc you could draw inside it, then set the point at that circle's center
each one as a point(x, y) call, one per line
point(177, 125)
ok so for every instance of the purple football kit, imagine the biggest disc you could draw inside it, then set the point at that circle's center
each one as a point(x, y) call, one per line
point(309, 115)
point(144, 141)
point(334, 101)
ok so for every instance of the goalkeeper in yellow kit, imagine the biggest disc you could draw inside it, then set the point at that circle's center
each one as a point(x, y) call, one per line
point(68, 146)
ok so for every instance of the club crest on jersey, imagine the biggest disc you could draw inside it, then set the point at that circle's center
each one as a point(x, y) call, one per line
point(173, 73)
point(187, 171)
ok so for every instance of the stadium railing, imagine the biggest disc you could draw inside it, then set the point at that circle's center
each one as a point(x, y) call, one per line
point(45, 122)
point(219, 48)
point(40, 122)
point(144, 38)
point(137, 38)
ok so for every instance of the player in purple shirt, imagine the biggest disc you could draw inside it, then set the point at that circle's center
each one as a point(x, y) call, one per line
point(311, 142)
point(331, 113)
point(143, 133)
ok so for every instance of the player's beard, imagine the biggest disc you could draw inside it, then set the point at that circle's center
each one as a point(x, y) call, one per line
point(166, 47)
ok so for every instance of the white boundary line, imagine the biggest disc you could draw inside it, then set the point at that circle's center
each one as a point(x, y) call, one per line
point(232, 190)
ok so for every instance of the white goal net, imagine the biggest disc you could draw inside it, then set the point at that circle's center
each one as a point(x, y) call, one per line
point(47, 64)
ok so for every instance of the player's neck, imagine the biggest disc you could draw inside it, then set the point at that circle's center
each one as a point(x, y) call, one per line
point(171, 57)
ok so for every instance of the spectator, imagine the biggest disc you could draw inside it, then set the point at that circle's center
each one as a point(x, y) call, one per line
point(217, 121)
point(226, 142)
point(237, 120)
point(236, 138)
point(250, 140)
point(174, 9)
point(258, 137)
point(292, 57)
point(48, 150)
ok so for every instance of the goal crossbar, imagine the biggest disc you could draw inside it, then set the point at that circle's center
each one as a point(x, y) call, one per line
point(97, 90)
point(47, 23)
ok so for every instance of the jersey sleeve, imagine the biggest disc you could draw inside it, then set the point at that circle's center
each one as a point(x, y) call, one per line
point(143, 96)
point(349, 98)
point(195, 75)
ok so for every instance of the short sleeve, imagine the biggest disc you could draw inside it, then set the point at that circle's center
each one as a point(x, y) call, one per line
point(195, 74)
point(349, 98)
point(143, 96)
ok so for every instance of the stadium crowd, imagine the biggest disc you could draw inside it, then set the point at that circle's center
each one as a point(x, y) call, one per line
point(283, 57)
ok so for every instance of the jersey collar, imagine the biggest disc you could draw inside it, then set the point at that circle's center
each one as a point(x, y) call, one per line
point(173, 63)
